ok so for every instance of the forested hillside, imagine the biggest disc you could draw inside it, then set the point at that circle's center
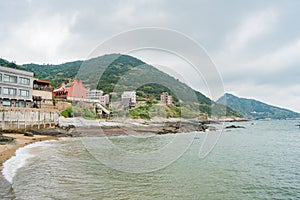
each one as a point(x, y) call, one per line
point(115, 73)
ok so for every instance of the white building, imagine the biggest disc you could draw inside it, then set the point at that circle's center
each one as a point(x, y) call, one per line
point(128, 99)
point(15, 87)
point(97, 96)
point(94, 95)
point(104, 100)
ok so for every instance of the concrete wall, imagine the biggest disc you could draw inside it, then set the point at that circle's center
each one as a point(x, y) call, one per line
point(27, 118)
point(62, 105)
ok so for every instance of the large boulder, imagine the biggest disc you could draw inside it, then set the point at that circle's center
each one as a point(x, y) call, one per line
point(5, 139)
point(234, 126)
point(28, 134)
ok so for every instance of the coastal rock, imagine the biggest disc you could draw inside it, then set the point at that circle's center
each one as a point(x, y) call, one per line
point(212, 128)
point(52, 132)
point(234, 126)
point(166, 131)
point(28, 134)
point(202, 127)
point(5, 139)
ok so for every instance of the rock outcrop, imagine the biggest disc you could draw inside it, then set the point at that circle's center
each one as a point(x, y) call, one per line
point(234, 126)
point(5, 139)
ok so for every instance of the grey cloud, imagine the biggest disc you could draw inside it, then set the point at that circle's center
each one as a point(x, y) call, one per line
point(70, 30)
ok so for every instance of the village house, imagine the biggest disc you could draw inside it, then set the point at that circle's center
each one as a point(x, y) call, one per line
point(166, 99)
point(73, 90)
point(104, 100)
point(42, 94)
point(128, 99)
point(15, 87)
point(94, 95)
point(98, 97)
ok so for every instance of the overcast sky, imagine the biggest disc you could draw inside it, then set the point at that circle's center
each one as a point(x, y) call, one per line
point(254, 44)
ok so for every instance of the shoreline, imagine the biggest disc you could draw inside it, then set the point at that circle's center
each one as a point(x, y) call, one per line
point(76, 127)
point(8, 150)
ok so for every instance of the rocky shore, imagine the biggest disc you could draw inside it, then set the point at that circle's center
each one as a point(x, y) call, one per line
point(82, 127)
point(76, 127)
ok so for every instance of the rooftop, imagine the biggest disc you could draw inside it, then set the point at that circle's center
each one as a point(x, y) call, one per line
point(16, 71)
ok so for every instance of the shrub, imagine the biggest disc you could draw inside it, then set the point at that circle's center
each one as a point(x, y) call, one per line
point(68, 112)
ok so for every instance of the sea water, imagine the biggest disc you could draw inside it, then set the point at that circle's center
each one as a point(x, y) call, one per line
point(261, 161)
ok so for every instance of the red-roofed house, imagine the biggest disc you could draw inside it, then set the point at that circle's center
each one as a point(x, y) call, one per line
point(72, 91)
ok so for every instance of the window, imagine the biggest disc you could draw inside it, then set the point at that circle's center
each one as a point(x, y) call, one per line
point(5, 91)
point(6, 103)
point(24, 93)
point(0, 77)
point(9, 91)
point(24, 81)
point(8, 78)
point(23, 104)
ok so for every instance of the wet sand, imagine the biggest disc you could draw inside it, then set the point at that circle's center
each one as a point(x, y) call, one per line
point(8, 150)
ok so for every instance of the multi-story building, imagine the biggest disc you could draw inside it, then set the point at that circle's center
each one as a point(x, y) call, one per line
point(15, 87)
point(166, 99)
point(97, 96)
point(94, 95)
point(128, 99)
point(104, 100)
point(170, 100)
point(42, 94)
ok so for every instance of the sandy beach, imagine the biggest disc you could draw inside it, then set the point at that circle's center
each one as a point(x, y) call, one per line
point(8, 150)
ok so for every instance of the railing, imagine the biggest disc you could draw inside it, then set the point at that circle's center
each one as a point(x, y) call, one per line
point(12, 118)
point(35, 87)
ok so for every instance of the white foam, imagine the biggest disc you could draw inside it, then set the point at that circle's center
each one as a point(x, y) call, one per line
point(11, 166)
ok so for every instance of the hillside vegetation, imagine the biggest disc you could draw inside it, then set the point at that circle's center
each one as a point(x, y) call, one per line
point(253, 109)
point(115, 73)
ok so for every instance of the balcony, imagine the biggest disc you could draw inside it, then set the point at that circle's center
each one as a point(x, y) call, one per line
point(44, 88)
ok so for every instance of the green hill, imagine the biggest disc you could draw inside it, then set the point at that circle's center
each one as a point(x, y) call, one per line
point(56, 74)
point(253, 109)
point(115, 73)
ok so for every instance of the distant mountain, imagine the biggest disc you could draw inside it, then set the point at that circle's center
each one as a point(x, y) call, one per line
point(114, 73)
point(253, 109)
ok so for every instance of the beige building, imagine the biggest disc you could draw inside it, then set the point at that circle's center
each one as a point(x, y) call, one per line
point(42, 94)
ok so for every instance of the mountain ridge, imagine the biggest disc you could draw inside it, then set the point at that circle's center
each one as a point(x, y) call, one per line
point(255, 109)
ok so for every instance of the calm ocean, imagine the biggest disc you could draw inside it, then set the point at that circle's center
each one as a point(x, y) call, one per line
point(261, 161)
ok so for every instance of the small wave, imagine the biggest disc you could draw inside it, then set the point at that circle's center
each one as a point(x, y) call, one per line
point(11, 166)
